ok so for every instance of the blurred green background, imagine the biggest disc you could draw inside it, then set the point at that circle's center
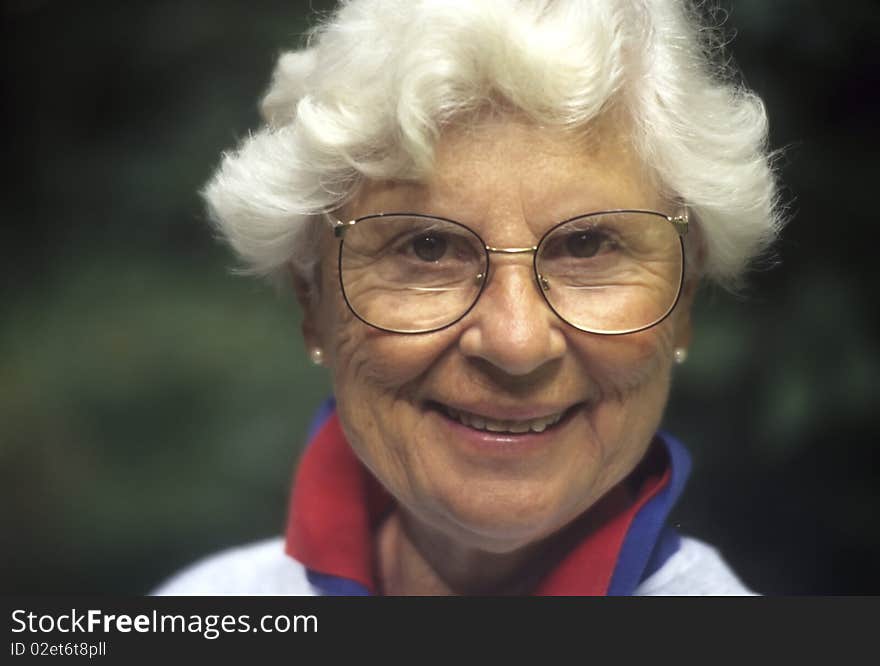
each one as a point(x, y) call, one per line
point(152, 405)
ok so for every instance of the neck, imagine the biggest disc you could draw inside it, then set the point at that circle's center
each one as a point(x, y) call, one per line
point(413, 559)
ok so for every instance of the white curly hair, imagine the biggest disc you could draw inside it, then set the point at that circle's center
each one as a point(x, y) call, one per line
point(379, 80)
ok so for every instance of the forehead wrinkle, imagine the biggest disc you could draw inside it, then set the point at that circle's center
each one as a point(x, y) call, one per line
point(547, 166)
point(511, 181)
point(387, 196)
point(487, 190)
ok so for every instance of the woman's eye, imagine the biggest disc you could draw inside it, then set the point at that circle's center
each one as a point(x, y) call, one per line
point(429, 247)
point(583, 244)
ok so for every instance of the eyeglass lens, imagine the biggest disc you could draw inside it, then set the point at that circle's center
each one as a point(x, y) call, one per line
point(604, 273)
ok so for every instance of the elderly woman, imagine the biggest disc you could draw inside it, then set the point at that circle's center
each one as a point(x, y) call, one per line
point(495, 215)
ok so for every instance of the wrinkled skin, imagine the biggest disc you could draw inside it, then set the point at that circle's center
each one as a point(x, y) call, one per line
point(468, 519)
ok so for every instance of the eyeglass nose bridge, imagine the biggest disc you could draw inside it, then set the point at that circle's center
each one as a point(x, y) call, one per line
point(511, 250)
point(542, 281)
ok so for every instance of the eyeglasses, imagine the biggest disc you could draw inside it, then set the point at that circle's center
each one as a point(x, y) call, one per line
point(611, 273)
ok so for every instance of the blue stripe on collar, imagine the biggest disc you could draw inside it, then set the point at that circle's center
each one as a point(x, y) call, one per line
point(335, 586)
point(324, 412)
point(649, 543)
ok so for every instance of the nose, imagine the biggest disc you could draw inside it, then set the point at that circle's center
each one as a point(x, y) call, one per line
point(511, 325)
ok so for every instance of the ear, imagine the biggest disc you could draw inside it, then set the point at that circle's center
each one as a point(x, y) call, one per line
point(696, 255)
point(308, 303)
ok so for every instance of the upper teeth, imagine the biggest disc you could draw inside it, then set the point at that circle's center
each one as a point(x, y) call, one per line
point(483, 423)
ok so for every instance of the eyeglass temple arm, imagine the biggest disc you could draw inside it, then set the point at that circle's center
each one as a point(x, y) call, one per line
point(680, 222)
point(339, 227)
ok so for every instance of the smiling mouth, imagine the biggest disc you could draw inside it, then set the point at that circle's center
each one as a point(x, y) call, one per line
point(512, 427)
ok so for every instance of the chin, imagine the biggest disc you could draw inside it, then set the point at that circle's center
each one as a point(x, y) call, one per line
point(500, 517)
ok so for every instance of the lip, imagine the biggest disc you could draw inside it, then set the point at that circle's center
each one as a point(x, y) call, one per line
point(496, 412)
point(488, 444)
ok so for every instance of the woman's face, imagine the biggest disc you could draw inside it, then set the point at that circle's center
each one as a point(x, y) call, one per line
point(510, 359)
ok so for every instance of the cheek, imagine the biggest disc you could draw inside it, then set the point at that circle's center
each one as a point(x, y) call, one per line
point(625, 366)
point(363, 356)
point(380, 362)
point(376, 380)
point(632, 377)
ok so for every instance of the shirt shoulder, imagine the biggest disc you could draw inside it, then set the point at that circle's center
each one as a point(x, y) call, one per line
point(696, 569)
point(256, 569)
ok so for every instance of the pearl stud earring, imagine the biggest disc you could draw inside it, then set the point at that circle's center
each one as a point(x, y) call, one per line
point(317, 356)
point(680, 355)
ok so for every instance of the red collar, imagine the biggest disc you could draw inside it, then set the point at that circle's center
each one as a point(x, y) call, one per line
point(336, 506)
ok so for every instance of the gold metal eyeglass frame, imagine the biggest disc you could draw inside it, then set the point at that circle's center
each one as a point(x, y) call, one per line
point(679, 222)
